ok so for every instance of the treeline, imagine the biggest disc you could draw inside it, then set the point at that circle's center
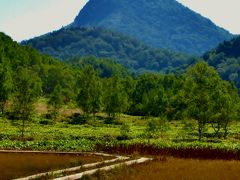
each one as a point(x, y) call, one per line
point(199, 94)
point(135, 55)
point(226, 59)
point(104, 86)
point(68, 43)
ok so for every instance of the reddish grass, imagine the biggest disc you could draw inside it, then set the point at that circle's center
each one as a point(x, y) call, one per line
point(199, 153)
point(14, 165)
point(174, 168)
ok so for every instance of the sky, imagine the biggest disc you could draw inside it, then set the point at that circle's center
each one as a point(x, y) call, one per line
point(224, 13)
point(25, 19)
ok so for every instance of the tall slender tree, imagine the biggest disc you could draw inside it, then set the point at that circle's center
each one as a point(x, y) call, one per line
point(27, 89)
point(56, 100)
point(225, 106)
point(200, 85)
point(115, 97)
point(90, 94)
point(6, 83)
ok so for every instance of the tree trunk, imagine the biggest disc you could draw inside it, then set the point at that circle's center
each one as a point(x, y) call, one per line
point(216, 129)
point(94, 116)
point(200, 131)
point(225, 130)
point(23, 128)
point(2, 108)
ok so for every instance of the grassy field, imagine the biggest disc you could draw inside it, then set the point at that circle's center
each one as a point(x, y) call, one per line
point(43, 134)
point(168, 168)
point(70, 133)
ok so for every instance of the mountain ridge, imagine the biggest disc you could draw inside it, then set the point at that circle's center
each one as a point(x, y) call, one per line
point(226, 59)
point(159, 23)
point(78, 42)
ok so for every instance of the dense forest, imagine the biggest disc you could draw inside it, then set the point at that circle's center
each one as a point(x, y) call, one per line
point(104, 86)
point(226, 59)
point(70, 44)
point(158, 23)
point(133, 54)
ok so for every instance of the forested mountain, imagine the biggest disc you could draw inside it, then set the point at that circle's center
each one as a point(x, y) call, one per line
point(159, 23)
point(104, 67)
point(226, 59)
point(76, 42)
point(16, 59)
point(51, 72)
point(25, 74)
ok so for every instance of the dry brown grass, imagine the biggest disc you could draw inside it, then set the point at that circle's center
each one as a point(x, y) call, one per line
point(69, 112)
point(13, 165)
point(41, 108)
point(174, 168)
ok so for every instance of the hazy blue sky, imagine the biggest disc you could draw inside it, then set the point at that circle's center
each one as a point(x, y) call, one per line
point(224, 13)
point(23, 19)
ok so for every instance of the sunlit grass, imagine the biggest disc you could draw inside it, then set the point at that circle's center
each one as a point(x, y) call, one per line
point(60, 134)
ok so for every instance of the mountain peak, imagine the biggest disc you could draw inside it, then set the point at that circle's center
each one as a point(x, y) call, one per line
point(159, 23)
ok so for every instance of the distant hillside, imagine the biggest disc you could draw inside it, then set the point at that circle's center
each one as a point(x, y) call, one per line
point(50, 71)
point(75, 42)
point(105, 67)
point(17, 55)
point(226, 59)
point(159, 23)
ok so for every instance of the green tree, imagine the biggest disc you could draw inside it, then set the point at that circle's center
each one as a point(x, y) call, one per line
point(59, 75)
point(90, 94)
point(27, 89)
point(56, 101)
point(146, 88)
point(225, 106)
point(115, 97)
point(200, 85)
point(6, 84)
point(156, 127)
point(150, 97)
point(124, 131)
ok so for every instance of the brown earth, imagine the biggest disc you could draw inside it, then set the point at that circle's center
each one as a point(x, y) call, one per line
point(169, 168)
point(15, 165)
point(196, 153)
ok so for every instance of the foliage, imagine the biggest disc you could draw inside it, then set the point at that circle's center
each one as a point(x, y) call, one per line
point(6, 83)
point(115, 97)
point(209, 97)
point(56, 101)
point(225, 107)
point(51, 72)
point(133, 54)
point(27, 89)
point(226, 59)
point(99, 86)
point(90, 93)
point(124, 131)
point(154, 94)
point(156, 126)
point(201, 82)
point(61, 136)
point(105, 68)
